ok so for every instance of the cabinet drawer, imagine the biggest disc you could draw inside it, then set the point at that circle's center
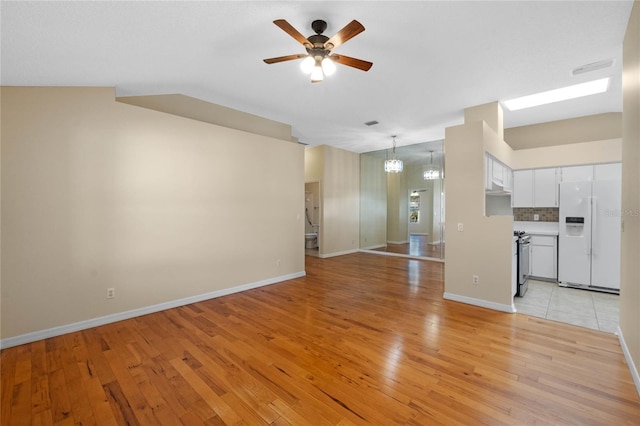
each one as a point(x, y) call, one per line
point(543, 240)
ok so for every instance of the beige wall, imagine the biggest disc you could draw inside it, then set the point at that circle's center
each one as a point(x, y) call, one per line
point(574, 130)
point(630, 242)
point(100, 194)
point(314, 163)
point(605, 151)
point(373, 202)
point(338, 172)
point(341, 202)
point(397, 208)
point(197, 109)
point(484, 246)
point(582, 140)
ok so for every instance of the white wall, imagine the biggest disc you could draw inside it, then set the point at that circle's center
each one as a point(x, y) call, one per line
point(100, 194)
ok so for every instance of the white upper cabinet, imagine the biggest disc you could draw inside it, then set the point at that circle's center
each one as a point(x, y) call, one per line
point(591, 172)
point(545, 188)
point(498, 176)
point(539, 187)
point(488, 175)
point(612, 171)
point(535, 188)
point(577, 173)
point(522, 188)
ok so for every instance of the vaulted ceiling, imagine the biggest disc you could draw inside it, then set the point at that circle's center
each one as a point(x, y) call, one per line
point(431, 59)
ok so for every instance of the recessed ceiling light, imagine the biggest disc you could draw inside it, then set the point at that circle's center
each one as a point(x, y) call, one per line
point(557, 95)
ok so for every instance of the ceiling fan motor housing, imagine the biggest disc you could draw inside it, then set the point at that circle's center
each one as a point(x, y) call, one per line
point(319, 26)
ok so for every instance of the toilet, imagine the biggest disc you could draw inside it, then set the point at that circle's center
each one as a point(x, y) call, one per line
point(311, 240)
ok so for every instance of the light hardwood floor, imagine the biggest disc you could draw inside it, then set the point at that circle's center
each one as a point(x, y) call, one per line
point(362, 339)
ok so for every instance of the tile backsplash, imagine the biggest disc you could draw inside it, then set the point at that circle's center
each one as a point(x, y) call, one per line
point(546, 214)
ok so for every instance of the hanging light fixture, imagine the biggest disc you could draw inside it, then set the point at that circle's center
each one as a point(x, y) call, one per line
point(431, 173)
point(394, 165)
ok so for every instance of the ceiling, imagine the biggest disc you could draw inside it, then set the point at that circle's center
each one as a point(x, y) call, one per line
point(431, 59)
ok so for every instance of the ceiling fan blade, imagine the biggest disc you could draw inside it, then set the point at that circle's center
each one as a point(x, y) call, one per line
point(284, 58)
point(288, 28)
point(352, 62)
point(351, 30)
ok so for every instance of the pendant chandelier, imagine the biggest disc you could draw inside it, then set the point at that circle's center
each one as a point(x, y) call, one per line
point(394, 165)
point(431, 173)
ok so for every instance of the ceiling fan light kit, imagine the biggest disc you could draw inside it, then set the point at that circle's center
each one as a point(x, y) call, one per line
point(319, 61)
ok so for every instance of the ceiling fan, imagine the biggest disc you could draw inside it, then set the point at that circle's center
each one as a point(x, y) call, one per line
point(319, 61)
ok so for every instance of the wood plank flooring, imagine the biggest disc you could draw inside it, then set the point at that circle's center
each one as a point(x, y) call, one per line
point(418, 245)
point(362, 339)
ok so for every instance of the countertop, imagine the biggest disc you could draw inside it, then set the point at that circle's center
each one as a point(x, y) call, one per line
point(537, 228)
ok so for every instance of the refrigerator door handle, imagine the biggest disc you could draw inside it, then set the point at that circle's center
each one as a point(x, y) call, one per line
point(594, 215)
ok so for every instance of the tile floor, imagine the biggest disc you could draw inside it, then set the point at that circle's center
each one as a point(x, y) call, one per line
point(599, 311)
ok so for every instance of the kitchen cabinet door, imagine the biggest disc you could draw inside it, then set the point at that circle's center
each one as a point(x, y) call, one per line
point(544, 257)
point(488, 175)
point(612, 171)
point(545, 188)
point(508, 179)
point(522, 195)
point(543, 262)
point(577, 173)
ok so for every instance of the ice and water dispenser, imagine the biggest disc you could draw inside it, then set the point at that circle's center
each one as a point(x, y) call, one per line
point(574, 225)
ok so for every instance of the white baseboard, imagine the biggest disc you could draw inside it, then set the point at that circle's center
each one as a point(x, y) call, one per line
point(398, 242)
point(480, 302)
point(627, 357)
point(107, 319)
point(407, 256)
point(338, 253)
point(373, 247)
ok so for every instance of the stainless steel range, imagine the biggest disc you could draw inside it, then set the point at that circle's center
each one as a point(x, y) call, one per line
point(523, 241)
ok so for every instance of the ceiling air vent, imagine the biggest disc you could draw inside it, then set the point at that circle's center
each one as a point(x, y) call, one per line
point(371, 123)
point(593, 66)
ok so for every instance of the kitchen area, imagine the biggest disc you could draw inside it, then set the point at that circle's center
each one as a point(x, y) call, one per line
point(566, 239)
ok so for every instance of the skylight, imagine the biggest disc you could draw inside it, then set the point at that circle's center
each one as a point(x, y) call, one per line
point(557, 95)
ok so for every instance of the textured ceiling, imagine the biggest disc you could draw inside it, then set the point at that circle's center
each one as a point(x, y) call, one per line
point(431, 59)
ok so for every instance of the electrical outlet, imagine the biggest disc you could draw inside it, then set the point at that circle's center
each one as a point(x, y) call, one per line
point(476, 280)
point(278, 262)
point(536, 217)
point(111, 293)
point(460, 227)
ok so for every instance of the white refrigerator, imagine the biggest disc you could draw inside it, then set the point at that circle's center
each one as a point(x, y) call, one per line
point(589, 234)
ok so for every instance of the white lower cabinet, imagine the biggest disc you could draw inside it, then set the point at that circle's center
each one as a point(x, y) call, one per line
point(544, 257)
